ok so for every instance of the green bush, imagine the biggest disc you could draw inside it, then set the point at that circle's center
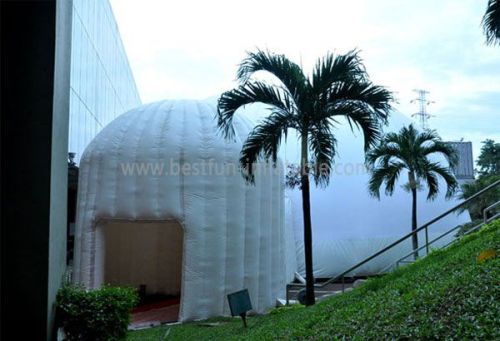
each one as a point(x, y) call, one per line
point(102, 314)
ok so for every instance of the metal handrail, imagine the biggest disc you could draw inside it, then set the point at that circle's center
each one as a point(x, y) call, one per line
point(485, 221)
point(422, 247)
point(489, 208)
point(390, 246)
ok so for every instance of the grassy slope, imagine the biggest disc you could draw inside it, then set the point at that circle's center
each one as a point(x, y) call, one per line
point(446, 295)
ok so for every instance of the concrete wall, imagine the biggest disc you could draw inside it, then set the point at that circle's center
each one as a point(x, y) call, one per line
point(33, 163)
point(59, 165)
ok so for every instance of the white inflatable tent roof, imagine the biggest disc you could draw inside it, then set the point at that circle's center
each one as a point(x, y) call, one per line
point(161, 204)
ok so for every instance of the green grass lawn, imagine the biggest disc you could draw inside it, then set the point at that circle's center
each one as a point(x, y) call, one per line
point(448, 295)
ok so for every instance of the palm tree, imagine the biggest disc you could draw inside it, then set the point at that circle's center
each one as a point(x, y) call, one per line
point(410, 150)
point(312, 105)
point(491, 22)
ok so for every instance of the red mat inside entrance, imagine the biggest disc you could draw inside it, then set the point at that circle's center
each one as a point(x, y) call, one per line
point(156, 305)
point(155, 313)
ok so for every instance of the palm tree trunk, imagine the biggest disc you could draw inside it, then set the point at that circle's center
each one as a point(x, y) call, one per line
point(414, 237)
point(306, 208)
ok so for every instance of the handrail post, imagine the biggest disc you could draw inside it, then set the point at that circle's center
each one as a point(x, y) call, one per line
point(426, 240)
point(487, 219)
point(287, 294)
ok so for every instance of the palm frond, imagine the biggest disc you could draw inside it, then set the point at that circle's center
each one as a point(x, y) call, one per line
point(388, 175)
point(439, 147)
point(383, 153)
point(374, 99)
point(289, 73)
point(491, 22)
point(425, 136)
point(264, 141)
point(376, 180)
point(360, 116)
point(336, 68)
point(432, 183)
point(408, 139)
point(249, 93)
point(323, 147)
point(435, 168)
point(393, 171)
point(392, 138)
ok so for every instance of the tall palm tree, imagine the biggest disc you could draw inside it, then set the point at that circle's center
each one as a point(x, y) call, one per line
point(312, 105)
point(491, 22)
point(410, 150)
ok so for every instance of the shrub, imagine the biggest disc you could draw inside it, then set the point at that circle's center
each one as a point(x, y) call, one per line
point(102, 314)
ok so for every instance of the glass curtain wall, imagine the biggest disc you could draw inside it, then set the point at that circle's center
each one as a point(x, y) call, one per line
point(102, 84)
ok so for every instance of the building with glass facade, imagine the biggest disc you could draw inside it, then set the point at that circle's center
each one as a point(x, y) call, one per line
point(464, 170)
point(101, 82)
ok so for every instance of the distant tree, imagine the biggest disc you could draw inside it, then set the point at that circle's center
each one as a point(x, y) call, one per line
point(338, 88)
point(476, 206)
point(491, 22)
point(489, 159)
point(410, 150)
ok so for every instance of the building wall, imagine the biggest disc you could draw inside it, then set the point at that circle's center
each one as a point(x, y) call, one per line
point(59, 168)
point(34, 128)
point(102, 85)
point(464, 171)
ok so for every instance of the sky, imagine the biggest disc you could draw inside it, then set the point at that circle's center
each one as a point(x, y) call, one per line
point(191, 50)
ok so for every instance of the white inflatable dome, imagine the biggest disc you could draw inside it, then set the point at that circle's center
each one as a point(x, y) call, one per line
point(161, 203)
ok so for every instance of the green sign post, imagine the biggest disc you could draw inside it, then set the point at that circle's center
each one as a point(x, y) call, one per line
point(239, 303)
